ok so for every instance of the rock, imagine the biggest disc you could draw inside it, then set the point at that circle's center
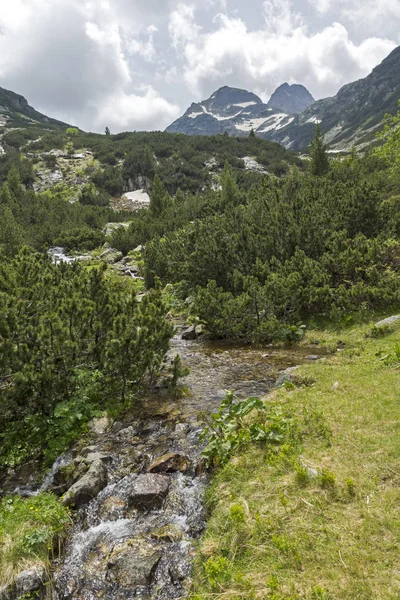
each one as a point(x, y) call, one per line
point(111, 255)
point(100, 425)
point(286, 376)
point(66, 476)
point(139, 248)
point(126, 434)
point(132, 564)
point(88, 486)
point(31, 580)
point(192, 332)
point(28, 584)
point(170, 463)
point(92, 457)
point(312, 357)
point(113, 509)
point(111, 227)
point(168, 533)
point(182, 428)
point(148, 491)
point(336, 385)
point(387, 321)
point(311, 472)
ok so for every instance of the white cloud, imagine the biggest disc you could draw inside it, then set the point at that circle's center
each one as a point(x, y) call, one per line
point(282, 50)
point(182, 26)
point(148, 110)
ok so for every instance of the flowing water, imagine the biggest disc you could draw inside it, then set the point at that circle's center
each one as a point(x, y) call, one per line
point(116, 551)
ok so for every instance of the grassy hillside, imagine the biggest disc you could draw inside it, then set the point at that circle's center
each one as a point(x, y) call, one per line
point(317, 517)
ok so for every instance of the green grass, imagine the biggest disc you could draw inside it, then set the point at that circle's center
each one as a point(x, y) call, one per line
point(31, 533)
point(278, 531)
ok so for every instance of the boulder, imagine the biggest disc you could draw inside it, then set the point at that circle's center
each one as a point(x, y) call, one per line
point(132, 564)
point(192, 332)
point(388, 321)
point(29, 583)
point(170, 463)
point(148, 491)
point(88, 486)
point(111, 255)
point(67, 475)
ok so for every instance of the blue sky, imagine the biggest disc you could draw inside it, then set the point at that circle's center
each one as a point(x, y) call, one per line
point(138, 64)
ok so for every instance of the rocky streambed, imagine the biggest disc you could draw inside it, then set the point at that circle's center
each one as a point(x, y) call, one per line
point(137, 486)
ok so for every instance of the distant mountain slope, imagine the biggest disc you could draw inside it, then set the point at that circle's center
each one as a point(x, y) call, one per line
point(238, 111)
point(15, 111)
point(353, 116)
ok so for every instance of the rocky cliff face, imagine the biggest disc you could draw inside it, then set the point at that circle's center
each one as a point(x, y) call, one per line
point(352, 117)
point(291, 99)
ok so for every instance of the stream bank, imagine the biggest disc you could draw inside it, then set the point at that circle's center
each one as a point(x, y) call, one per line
point(138, 495)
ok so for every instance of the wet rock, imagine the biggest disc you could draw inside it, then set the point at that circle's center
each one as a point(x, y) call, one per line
point(92, 457)
point(100, 425)
point(132, 564)
point(192, 332)
point(182, 428)
point(170, 463)
point(148, 491)
point(387, 321)
point(66, 476)
point(113, 509)
point(169, 533)
point(88, 486)
point(126, 434)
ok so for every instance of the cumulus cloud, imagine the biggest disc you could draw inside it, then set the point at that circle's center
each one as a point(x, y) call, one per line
point(128, 64)
point(282, 50)
point(72, 60)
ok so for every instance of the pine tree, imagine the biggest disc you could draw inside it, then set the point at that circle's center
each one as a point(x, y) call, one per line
point(230, 193)
point(319, 158)
point(107, 131)
point(158, 197)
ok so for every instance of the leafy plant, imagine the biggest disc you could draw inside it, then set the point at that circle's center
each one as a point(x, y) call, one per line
point(227, 430)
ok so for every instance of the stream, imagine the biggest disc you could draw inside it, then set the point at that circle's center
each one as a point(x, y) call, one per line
point(137, 538)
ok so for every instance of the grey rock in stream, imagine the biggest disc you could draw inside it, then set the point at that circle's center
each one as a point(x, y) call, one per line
point(132, 564)
point(88, 486)
point(148, 491)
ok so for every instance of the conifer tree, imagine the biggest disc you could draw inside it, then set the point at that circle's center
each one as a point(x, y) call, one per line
point(158, 197)
point(319, 158)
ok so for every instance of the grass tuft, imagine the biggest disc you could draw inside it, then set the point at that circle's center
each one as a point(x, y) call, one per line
point(31, 533)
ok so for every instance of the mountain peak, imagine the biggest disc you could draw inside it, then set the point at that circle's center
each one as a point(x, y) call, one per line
point(291, 99)
point(226, 95)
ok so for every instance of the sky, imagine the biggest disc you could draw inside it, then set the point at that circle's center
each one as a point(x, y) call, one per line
point(138, 64)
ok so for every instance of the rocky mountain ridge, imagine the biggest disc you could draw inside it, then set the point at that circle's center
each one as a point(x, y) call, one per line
point(238, 111)
point(351, 117)
point(15, 111)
